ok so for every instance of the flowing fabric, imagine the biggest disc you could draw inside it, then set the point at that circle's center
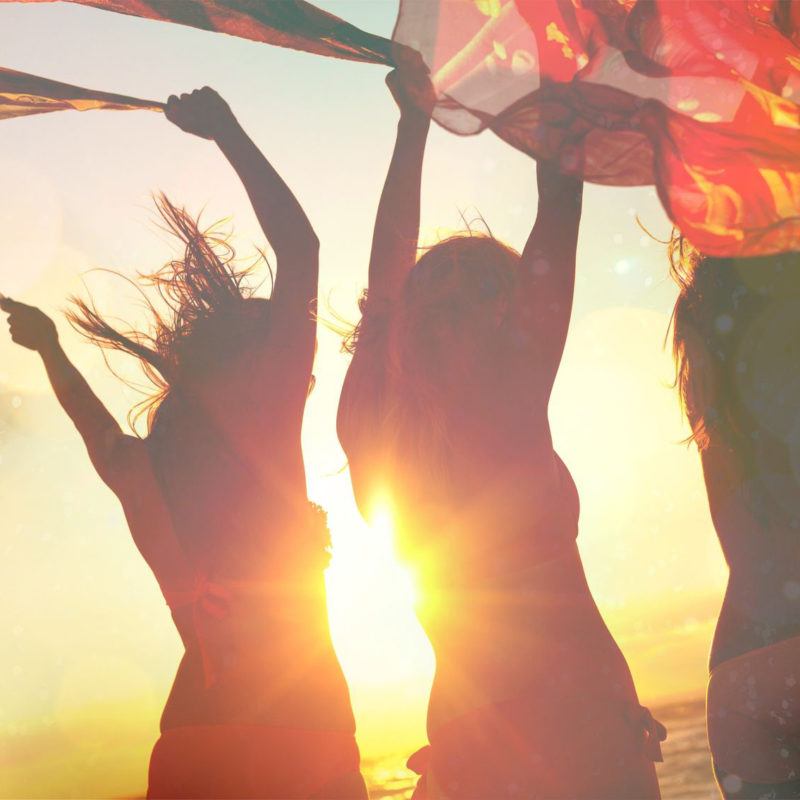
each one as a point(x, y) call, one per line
point(286, 23)
point(22, 94)
point(698, 98)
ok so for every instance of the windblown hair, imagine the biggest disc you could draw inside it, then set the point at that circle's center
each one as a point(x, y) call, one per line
point(445, 292)
point(722, 314)
point(204, 321)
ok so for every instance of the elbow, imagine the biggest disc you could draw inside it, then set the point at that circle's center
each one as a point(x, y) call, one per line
point(301, 246)
point(307, 239)
point(312, 243)
point(308, 250)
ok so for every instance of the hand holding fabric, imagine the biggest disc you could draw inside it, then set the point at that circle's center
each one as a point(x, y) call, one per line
point(410, 84)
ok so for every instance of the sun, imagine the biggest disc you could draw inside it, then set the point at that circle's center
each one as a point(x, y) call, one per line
point(384, 652)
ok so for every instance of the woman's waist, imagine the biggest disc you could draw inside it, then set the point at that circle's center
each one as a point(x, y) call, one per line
point(537, 662)
point(550, 594)
point(262, 691)
point(258, 649)
point(561, 676)
point(227, 599)
point(755, 613)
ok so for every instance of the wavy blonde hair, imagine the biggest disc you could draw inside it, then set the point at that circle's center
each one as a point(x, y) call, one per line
point(719, 301)
point(447, 287)
point(204, 295)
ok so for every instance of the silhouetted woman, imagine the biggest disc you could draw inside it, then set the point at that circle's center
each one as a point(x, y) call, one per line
point(215, 497)
point(736, 340)
point(443, 417)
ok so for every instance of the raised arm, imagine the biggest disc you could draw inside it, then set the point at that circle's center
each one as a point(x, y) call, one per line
point(394, 242)
point(121, 461)
point(101, 433)
point(285, 224)
point(543, 303)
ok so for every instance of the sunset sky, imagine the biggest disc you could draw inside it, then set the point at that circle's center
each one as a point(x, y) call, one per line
point(89, 647)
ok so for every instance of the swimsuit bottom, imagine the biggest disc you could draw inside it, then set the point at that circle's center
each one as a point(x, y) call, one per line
point(732, 786)
point(255, 761)
point(607, 753)
point(754, 721)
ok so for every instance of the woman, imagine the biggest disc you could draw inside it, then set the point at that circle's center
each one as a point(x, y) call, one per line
point(735, 334)
point(443, 416)
point(215, 497)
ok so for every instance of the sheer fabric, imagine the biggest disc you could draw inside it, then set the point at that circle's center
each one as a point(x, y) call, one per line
point(699, 99)
point(22, 94)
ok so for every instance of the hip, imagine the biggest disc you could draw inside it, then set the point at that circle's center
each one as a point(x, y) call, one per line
point(254, 761)
point(596, 749)
point(756, 614)
point(753, 710)
point(268, 692)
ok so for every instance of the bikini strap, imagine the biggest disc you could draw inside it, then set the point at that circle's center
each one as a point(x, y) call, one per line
point(653, 732)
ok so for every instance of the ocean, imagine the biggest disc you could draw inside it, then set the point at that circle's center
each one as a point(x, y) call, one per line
point(685, 774)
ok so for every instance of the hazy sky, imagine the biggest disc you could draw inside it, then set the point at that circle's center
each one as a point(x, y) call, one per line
point(90, 647)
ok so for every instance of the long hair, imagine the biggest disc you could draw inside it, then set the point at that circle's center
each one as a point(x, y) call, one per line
point(203, 295)
point(411, 342)
point(731, 353)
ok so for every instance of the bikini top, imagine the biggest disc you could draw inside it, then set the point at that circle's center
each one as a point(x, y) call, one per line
point(217, 615)
point(551, 536)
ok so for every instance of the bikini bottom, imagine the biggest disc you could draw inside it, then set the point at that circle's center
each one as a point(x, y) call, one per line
point(498, 751)
point(255, 761)
point(753, 712)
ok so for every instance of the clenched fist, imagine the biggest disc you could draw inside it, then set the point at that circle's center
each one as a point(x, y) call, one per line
point(29, 326)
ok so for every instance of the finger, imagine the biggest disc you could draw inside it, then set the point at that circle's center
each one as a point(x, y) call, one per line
point(414, 60)
point(171, 108)
point(412, 64)
point(401, 53)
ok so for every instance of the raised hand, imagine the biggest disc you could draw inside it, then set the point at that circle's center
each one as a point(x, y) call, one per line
point(29, 327)
point(203, 113)
point(410, 83)
point(33, 329)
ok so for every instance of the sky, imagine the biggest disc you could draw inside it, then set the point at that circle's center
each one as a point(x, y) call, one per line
point(90, 649)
